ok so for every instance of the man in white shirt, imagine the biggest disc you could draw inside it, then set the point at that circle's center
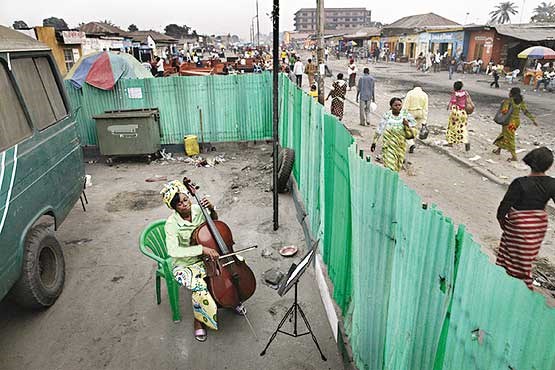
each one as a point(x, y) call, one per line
point(298, 69)
point(159, 67)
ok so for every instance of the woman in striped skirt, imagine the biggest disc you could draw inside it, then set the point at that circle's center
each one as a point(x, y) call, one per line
point(522, 216)
point(395, 128)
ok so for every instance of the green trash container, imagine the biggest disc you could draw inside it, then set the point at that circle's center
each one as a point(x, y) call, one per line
point(128, 132)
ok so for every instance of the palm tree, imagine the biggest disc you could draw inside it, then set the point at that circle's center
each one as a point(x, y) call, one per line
point(502, 12)
point(544, 13)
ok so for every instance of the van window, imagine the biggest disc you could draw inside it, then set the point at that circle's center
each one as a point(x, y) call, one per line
point(13, 123)
point(36, 80)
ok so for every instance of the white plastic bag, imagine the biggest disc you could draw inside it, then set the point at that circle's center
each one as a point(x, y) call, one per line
point(373, 106)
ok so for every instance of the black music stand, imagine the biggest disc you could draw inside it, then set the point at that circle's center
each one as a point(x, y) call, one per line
point(292, 280)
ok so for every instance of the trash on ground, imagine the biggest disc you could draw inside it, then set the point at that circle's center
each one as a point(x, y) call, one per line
point(475, 158)
point(266, 253)
point(520, 150)
point(88, 181)
point(273, 277)
point(288, 250)
point(491, 161)
point(484, 178)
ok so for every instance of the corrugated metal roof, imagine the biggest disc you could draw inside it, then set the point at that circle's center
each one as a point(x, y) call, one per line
point(101, 28)
point(12, 40)
point(140, 36)
point(364, 32)
point(421, 21)
point(528, 32)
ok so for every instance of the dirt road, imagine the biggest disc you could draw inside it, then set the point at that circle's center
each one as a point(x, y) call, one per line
point(107, 316)
point(463, 194)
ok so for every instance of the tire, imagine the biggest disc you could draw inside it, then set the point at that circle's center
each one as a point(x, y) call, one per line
point(43, 271)
point(285, 166)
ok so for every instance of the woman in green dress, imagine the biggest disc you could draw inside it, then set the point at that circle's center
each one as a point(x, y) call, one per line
point(506, 140)
point(395, 127)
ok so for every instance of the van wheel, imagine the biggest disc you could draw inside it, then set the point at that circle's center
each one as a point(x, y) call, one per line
point(285, 166)
point(43, 272)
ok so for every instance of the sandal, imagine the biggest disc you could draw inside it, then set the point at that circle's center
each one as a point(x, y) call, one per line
point(200, 335)
point(240, 310)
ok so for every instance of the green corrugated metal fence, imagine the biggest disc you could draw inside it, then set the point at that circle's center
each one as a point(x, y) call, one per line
point(415, 292)
point(234, 108)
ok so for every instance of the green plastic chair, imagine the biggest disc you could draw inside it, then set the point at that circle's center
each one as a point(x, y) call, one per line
point(153, 244)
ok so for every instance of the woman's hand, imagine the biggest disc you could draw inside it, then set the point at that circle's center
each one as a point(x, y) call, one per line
point(204, 202)
point(211, 253)
point(405, 122)
point(373, 148)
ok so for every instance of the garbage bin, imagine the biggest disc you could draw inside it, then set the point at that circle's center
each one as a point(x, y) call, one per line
point(128, 132)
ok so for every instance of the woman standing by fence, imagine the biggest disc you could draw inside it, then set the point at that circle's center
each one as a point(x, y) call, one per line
point(523, 218)
point(506, 140)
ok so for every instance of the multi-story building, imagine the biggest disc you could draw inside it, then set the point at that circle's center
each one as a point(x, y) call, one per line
point(335, 19)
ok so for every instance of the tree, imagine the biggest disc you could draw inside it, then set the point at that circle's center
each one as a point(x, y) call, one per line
point(20, 25)
point(132, 28)
point(108, 22)
point(57, 23)
point(502, 12)
point(176, 31)
point(544, 13)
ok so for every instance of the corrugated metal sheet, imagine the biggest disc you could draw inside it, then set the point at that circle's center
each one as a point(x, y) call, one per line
point(528, 32)
point(496, 321)
point(413, 295)
point(234, 108)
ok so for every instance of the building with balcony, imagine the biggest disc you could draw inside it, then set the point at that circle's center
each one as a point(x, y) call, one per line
point(335, 19)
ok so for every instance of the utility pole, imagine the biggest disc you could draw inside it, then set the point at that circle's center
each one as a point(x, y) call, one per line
point(257, 26)
point(320, 21)
point(275, 107)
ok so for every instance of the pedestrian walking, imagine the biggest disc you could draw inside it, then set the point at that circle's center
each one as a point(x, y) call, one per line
point(326, 54)
point(457, 130)
point(352, 73)
point(338, 93)
point(314, 92)
point(522, 216)
point(395, 128)
point(159, 67)
point(298, 71)
point(310, 70)
point(452, 67)
point(416, 103)
point(495, 75)
point(437, 61)
point(365, 96)
point(512, 106)
point(290, 74)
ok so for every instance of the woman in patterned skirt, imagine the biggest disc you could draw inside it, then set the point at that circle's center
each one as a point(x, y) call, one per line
point(506, 140)
point(395, 127)
point(457, 130)
point(522, 216)
point(338, 93)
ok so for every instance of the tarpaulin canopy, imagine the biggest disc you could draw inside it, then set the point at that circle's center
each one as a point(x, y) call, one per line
point(103, 70)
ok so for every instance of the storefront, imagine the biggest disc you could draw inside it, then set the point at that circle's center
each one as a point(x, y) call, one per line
point(407, 47)
point(449, 43)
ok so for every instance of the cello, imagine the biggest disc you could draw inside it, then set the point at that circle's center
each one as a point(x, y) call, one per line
point(230, 281)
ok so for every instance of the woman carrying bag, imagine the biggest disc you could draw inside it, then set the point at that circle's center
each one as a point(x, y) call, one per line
point(460, 106)
point(509, 117)
point(396, 127)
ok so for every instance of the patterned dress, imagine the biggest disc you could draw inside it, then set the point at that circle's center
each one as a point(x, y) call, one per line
point(506, 140)
point(457, 130)
point(338, 98)
point(394, 135)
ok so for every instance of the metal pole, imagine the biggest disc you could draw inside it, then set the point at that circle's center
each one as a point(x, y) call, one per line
point(257, 26)
point(320, 18)
point(275, 21)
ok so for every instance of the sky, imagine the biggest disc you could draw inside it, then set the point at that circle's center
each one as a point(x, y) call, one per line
point(235, 16)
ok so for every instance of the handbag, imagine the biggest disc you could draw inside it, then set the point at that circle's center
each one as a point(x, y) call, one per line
point(503, 118)
point(469, 106)
point(424, 132)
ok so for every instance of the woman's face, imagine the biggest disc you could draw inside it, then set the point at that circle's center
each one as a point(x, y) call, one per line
point(183, 206)
point(396, 107)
